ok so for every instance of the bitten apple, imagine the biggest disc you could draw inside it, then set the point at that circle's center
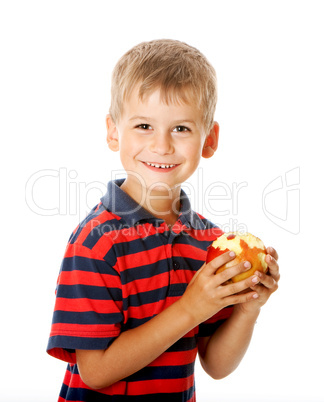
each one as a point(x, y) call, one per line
point(246, 247)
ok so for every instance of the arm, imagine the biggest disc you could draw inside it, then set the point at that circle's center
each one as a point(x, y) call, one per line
point(133, 349)
point(136, 348)
point(221, 353)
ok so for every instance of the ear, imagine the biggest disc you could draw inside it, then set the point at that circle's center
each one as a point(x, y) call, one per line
point(112, 134)
point(211, 142)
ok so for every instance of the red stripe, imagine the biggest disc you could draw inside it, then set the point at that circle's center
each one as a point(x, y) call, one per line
point(62, 354)
point(131, 233)
point(85, 330)
point(146, 284)
point(77, 277)
point(103, 245)
point(149, 256)
point(67, 377)
point(207, 234)
point(149, 310)
point(180, 250)
point(77, 250)
point(124, 235)
point(182, 276)
point(221, 315)
point(94, 222)
point(175, 358)
point(144, 311)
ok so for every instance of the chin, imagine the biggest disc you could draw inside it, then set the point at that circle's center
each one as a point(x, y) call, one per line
point(246, 247)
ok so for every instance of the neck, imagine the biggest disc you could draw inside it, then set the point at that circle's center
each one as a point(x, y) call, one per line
point(164, 205)
point(161, 203)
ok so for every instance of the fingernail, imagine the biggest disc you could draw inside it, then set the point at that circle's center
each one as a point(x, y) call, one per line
point(247, 265)
point(255, 296)
point(255, 279)
point(232, 254)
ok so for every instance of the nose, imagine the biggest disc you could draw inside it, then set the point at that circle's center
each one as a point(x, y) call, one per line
point(161, 143)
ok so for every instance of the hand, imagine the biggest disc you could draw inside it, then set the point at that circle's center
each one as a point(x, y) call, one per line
point(268, 283)
point(207, 293)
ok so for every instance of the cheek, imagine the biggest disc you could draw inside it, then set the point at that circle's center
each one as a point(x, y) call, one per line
point(128, 146)
point(193, 148)
point(194, 152)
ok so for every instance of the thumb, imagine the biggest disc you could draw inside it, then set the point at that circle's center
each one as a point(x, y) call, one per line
point(219, 261)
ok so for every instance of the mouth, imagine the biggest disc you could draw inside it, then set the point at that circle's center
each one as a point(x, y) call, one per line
point(160, 166)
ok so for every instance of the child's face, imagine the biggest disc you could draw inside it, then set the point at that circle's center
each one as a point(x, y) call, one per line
point(160, 145)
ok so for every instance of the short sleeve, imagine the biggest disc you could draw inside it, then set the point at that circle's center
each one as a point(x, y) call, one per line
point(88, 306)
point(208, 327)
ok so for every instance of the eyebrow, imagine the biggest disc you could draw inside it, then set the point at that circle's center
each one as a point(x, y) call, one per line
point(151, 119)
point(140, 118)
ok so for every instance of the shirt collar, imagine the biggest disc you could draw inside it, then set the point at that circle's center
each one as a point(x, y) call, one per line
point(121, 204)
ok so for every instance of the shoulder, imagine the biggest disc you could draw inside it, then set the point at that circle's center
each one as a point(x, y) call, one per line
point(206, 222)
point(209, 229)
point(97, 232)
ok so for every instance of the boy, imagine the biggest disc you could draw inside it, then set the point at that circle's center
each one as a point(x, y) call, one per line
point(135, 301)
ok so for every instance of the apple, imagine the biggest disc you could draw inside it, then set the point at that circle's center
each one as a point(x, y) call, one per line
point(246, 247)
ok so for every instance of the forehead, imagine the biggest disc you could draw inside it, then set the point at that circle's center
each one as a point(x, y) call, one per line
point(159, 99)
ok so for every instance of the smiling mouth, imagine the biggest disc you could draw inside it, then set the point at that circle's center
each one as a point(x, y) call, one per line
point(160, 166)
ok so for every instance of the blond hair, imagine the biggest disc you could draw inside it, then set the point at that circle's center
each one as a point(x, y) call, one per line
point(181, 72)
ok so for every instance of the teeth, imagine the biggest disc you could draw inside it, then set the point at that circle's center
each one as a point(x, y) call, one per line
point(160, 166)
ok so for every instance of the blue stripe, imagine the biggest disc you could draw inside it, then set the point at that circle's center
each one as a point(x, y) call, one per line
point(86, 317)
point(188, 343)
point(74, 342)
point(209, 329)
point(101, 230)
point(151, 296)
point(88, 265)
point(138, 245)
point(190, 241)
point(90, 292)
point(162, 373)
point(144, 271)
point(81, 394)
point(92, 215)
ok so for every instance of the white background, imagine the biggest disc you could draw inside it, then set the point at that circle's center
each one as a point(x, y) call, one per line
point(56, 61)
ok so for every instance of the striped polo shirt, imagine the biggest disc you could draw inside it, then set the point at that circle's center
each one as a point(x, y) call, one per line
point(122, 266)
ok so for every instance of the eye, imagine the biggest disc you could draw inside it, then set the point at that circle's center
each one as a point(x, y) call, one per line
point(144, 127)
point(181, 129)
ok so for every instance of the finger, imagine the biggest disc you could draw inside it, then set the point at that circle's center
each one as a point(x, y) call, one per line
point(272, 252)
point(273, 267)
point(229, 273)
point(241, 298)
point(238, 287)
point(267, 280)
point(213, 265)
